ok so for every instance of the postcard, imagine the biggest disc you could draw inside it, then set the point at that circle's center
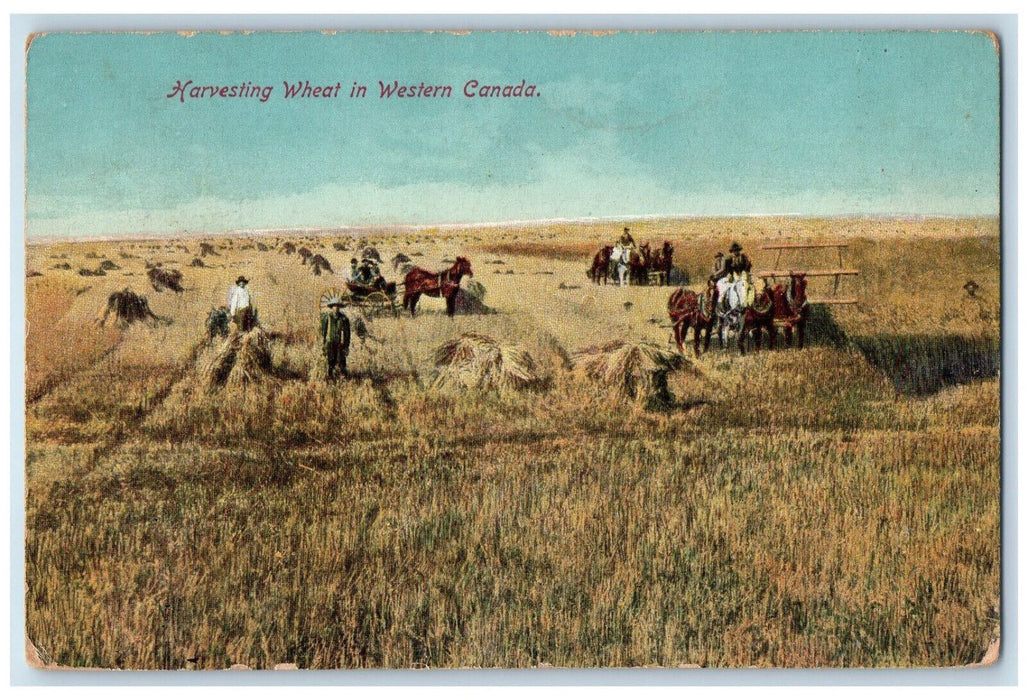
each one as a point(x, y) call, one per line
point(495, 349)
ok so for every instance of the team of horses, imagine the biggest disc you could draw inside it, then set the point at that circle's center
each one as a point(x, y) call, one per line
point(725, 306)
point(628, 265)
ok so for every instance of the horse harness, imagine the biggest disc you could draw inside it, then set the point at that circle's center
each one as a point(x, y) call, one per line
point(766, 308)
point(788, 298)
point(797, 311)
point(442, 275)
point(700, 312)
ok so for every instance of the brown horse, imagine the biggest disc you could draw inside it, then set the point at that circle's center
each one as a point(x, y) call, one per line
point(689, 310)
point(445, 283)
point(757, 318)
point(639, 265)
point(601, 265)
point(664, 260)
point(657, 265)
point(791, 308)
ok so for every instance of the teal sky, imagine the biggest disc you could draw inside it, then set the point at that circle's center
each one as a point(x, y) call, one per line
point(628, 124)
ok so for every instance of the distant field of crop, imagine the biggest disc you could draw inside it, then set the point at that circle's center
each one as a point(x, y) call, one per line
point(832, 506)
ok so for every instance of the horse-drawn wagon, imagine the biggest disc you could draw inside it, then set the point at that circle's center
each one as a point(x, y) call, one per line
point(369, 299)
point(381, 296)
point(635, 266)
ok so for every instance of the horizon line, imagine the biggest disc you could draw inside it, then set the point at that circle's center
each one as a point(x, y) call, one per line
point(357, 229)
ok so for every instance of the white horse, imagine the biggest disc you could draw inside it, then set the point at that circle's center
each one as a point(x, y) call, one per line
point(731, 307)
point(619, 263)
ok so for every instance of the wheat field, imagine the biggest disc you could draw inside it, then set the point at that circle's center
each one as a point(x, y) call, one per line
point(835, 506)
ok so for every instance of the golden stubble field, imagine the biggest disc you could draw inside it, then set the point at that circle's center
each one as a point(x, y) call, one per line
point(831, 506)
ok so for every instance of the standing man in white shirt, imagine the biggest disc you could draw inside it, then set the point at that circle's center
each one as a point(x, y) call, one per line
point(240, 307)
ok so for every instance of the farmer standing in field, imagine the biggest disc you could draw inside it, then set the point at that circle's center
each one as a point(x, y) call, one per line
point(240, 307)
point(335, 337)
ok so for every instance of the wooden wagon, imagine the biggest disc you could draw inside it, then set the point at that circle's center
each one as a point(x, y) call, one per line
point(371, 300)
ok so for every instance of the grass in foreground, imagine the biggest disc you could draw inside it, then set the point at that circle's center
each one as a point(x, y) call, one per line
point(800, 511)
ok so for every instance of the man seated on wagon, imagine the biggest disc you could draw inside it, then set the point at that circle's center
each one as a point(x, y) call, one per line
point(738, 263)
point(366, 273)
point(717, 268)
point(369, 275)
point(738, 267)
point(732, 270)
point(626, 240)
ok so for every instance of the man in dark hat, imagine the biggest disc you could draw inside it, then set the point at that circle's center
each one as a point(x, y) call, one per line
point(367, 272)
point(335, 337)
point(737, 268)
point(626, 240)
point(738, 264)
point(240, 306)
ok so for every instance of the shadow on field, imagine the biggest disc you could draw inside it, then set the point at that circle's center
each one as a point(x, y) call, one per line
point(924, 364)
point(467, 305)
point(918, 365)
point(673, 405)
point(822, 329)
